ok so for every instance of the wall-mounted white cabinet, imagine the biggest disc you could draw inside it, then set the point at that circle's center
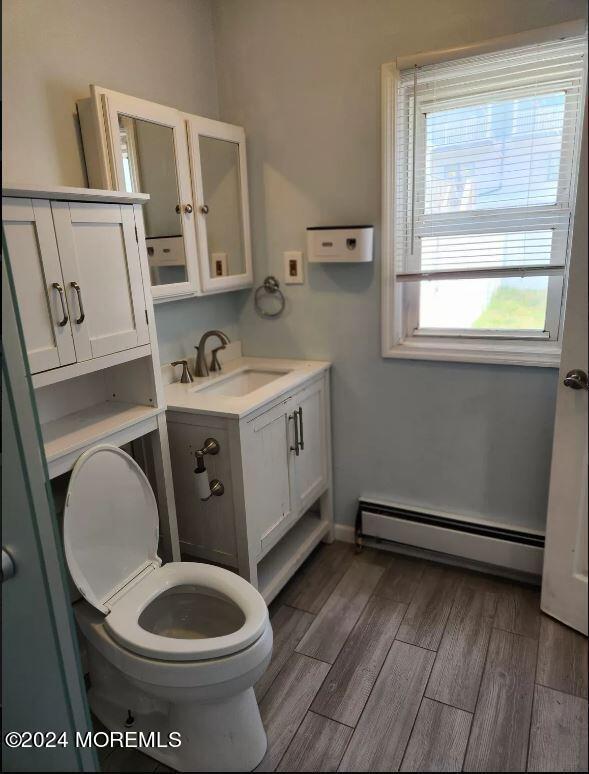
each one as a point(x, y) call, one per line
point(78, 279)
point(78, 262)
point(197, 218)
point(219, 184)
point(38, 277)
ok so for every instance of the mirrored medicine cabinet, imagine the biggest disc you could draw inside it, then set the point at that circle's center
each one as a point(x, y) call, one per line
point(197, 231)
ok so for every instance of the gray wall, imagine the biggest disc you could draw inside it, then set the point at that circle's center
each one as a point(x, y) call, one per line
point(302, 77)
point(160, 50)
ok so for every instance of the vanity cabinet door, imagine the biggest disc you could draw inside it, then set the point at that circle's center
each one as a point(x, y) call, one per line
point(310, 465)
point(267, 476)
point(220, 193)
point(102, 273)
point(39, 284)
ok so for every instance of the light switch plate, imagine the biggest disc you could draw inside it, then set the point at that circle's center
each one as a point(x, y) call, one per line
point(219, 265)
point(293, 267)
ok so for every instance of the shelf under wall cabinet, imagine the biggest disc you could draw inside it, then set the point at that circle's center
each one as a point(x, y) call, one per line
point(67, 437)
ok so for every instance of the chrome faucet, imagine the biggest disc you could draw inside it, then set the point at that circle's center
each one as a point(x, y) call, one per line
point(201, 368)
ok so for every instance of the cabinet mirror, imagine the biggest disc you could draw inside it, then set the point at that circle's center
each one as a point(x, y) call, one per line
point(194, 169)
point(220, 190)
point(147, 154)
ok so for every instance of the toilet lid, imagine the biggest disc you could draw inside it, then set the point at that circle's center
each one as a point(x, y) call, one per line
point(110, 525)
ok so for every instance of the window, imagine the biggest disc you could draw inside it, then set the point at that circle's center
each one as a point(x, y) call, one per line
point(481, 160)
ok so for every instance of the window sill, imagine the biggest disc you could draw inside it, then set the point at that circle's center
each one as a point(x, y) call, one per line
point(538, 354)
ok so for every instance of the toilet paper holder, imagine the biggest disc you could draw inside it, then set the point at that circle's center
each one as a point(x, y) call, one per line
point(205, 489)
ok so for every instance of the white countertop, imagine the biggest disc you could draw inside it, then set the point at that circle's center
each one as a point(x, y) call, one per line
point(195, 397)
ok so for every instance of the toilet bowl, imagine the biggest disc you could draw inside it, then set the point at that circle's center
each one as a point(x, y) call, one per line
point(172, 648)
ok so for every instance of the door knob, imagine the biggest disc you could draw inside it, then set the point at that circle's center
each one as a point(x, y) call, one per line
point(576, 380)
point(205, 209)
point(187, 208)
point(8, 565)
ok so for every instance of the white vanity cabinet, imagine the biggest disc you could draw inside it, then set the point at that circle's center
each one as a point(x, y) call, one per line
point(284, 453)
point(275, 466)
point(194, 169)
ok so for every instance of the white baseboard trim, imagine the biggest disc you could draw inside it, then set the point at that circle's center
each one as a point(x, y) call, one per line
point(345, 533)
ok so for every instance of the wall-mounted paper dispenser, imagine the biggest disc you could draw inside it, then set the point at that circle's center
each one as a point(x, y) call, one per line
point(339, 244)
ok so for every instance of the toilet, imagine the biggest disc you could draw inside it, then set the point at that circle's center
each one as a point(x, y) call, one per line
point(172, 648)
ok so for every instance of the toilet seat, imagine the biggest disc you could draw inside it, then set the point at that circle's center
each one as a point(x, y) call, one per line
point(110, 524)
point(111, 536)
point(122, 622)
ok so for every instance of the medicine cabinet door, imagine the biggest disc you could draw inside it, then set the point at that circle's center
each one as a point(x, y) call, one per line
point(219, 180)
point(149, 153)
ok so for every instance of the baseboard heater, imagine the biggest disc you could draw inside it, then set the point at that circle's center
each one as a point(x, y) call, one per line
point(477, 541)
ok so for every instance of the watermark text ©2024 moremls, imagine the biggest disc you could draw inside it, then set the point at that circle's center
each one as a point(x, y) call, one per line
point(49, 739)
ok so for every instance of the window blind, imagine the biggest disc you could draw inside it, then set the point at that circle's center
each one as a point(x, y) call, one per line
point(485, 157)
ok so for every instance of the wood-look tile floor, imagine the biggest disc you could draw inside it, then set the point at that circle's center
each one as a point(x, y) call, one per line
point(387, 663)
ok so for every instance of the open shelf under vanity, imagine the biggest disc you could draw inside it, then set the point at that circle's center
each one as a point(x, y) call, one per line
point(282, 561)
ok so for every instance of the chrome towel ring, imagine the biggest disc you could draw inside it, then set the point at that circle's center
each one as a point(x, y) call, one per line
point(272, 287)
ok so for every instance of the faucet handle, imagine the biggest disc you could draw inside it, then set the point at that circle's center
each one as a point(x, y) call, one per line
point(215, 364)
point(186, 378)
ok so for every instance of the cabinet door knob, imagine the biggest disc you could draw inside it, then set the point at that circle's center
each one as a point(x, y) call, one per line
point(205, 209)
point(187, 209)
point(65, 318)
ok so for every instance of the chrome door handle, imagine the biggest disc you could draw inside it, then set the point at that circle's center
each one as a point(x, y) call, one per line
point(65, 318)
point(187, 209)
point(82, 316)
point(205, 209)
point(576, 380)
point(302, 440)
point(8, 566)
point(295, 448)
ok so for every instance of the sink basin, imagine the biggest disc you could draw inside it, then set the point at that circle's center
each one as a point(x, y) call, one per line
point(242, 383)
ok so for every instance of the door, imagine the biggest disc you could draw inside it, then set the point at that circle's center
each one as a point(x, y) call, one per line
point(42, 687)
point(102, 274)
point(220, 193)
point(564, 578)
point(267, 474)
point(149, 154)
point(310, 468)
point(28, 227)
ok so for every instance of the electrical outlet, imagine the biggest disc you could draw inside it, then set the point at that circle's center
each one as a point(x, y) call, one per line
point(293, 267)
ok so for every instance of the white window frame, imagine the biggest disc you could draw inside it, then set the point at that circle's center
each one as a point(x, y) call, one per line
point(400, 301)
